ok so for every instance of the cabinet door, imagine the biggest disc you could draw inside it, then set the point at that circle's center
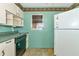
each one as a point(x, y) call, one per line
point(10, 47)
point(11, 8)
point(19, 12)
point(2, 14)
point(9, 18)
point(2, 53)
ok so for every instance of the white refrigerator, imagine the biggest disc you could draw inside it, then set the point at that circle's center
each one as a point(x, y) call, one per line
point(66, 33)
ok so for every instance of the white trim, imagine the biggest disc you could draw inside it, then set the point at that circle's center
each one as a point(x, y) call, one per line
point(31, 20)
point(27, 41)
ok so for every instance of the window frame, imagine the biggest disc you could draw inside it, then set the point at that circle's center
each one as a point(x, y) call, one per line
point(42, 20)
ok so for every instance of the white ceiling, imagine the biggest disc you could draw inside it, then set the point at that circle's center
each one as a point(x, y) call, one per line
point(34, 5)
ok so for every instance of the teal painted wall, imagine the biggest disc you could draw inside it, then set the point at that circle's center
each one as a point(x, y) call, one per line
point(5, 29)
point(40, 39)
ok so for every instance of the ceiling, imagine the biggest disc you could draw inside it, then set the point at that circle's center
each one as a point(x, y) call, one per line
point(53, 5)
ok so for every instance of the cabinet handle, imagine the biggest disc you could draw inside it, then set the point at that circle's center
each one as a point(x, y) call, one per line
point(3, 53)
point(8, 42)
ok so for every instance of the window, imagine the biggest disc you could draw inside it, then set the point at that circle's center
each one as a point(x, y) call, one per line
point(37, 22)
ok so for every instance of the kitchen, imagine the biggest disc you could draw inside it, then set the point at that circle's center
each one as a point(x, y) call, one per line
point(10, 40)
point(27, 29)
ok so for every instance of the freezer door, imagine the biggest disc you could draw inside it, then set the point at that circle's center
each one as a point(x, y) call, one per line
point(66, 43)
point(67, 20)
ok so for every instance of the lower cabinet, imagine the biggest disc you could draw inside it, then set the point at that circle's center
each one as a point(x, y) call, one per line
point(2, 53)
point(10, 48)
point(7, 48)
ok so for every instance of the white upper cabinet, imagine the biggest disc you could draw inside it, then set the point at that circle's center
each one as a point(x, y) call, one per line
point(18, 18)
point(2, 14)
point(11, 7)
point(19, 12)
point(17, 21)
point(8, 18)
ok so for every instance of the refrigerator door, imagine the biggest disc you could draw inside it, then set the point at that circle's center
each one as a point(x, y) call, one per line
point(67, 20)
point(66, 43)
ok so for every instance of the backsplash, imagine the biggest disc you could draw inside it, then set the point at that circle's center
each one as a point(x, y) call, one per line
point(5, 29)
point(7, 33)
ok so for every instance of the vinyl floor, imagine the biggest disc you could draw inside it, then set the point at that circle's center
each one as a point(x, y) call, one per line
point(39, 52)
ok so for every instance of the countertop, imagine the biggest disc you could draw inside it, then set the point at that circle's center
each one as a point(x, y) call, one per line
point(7, 36)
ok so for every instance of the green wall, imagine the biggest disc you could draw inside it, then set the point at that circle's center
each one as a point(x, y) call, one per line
point(37, 38)
point(5, 29)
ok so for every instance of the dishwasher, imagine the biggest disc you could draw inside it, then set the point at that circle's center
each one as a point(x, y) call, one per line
point(20, 44)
